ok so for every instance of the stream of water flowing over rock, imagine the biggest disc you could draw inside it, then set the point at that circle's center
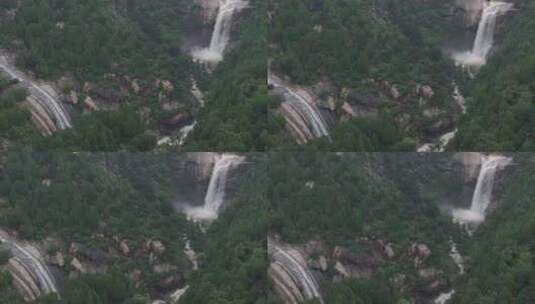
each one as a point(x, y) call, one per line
point(484, 40)
point(51, 105)
point(30, 273)
point(483, 191)
point(215, 194)
point(221, 33)
point(290, 273)
point(301, 113)
point(444, 297)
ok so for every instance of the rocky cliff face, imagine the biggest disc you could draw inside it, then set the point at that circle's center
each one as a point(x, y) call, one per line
point(472, 10)
point(471, 162)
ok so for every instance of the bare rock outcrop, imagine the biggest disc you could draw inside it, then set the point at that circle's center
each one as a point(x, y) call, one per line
point(350, 265)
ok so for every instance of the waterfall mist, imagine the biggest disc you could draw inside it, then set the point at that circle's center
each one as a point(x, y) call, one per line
point(216, 191)
point(484, 40)
point(221, 34)
point(483, 191)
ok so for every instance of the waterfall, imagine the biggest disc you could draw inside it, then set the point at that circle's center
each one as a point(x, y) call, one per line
point(485, 35)
point(218, 182)
point(485, 32)
point(175, 296)
point(443, 298)
point(483, 192)
point(52, 106)
point(180, 139)
point(215, 194)
point(485, 182)
point(302, 114)
point(440, 145)
point(184, 133)
point(289, 270)
point(456, 257)
point(32, 267)
point(221, 33)
point(459, 97)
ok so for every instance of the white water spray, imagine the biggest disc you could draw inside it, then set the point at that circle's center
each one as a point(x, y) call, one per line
point(444, 297)
point(184, 133)
point(215, 194)
point(45, 99)
point(221, 33)
point(440, 145)
point(485, 35)
point(483, 192)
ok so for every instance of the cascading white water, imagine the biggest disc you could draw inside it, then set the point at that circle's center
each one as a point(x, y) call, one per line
point(221, 33)
point(218, 181)
point(483, 192)
point(302, 114)
point(293, 264)
point(180, 140)
point(485, 182)
point(175, 296)
point(215, 194)
point(441, 145)
point(29, 258)
point(49, 103)
point(184, 133)
point(444, 297)
point(485, 35)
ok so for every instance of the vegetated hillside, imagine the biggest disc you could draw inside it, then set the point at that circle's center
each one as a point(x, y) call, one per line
point(112, 52)
point(501, 258)
point(352, 201)
point(90, 207)
point(235, 116)
point(15, 123)
point(361, 204)
point(383, 51)
point(501, 111)
point(234, 262)
point(86, 208)
point(132, 59)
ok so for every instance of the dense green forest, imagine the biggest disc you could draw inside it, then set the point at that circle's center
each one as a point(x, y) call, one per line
point(15, 121)
point(502, 255)
point(235, 264)
point(235, 117)
point(101, 43)
point(341, 198)
point(354, 43)
point(351, 200)
point(351, 45)
point(76, 197)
